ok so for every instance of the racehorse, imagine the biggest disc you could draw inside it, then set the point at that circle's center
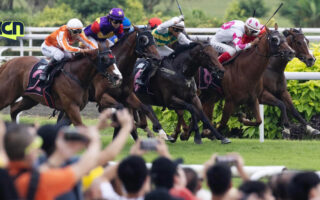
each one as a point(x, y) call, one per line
point(275, 91)
point(242, 80)
point(69, 89)
point(173, 85)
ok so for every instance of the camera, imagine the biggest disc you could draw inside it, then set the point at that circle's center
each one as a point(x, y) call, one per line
point(72, 134)
point(228, 160)
point(149, 144)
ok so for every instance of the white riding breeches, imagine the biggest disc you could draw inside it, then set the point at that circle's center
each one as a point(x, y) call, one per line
point(221, 47)
point(95, 42)
point(164, 51)
point(54, 52)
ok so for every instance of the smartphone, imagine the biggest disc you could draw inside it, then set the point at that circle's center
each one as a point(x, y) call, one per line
point(228, 160)
point(72, 134)
point(149, 144)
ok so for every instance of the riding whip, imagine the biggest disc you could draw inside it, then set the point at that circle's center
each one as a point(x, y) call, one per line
point(179, 7)
point(274, 13)
point(254, 13)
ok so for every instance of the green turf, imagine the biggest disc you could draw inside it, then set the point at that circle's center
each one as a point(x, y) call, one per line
point(292, 154)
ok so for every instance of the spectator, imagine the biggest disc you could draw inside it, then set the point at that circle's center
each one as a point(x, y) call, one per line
point(219, 177)
point(304, 186)
point(279, 184)
point(3, 156)
point(160, 194)
point(193, 180)
point(22, 147)
point(133, 175)
point(257, 188)
point(59, 157)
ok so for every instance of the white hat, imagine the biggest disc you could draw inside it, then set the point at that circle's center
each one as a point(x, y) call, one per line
point(179, 25)
point(253, 24)
point(74, 24)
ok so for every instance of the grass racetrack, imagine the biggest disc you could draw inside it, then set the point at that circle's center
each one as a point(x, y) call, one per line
point(294, 154)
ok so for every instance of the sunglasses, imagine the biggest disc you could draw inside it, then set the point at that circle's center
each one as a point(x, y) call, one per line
point(177, 30)
point(253, 31)
point(116, 21)
point(76, 31)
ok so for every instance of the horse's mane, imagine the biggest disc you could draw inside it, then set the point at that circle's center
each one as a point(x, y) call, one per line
point(182, 48)
point(121, 40)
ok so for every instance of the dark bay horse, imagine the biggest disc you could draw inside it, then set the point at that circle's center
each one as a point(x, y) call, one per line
point(173, 85)
point(275, 91)
point(242, 81)
point(69, 89)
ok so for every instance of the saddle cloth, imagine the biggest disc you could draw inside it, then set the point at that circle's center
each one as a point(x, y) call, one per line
point(41, 88)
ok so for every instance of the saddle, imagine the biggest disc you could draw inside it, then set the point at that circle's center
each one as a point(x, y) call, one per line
point(41, 88)
point(143, 71)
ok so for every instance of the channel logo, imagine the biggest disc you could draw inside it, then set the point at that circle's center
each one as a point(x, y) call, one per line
point(11, 29)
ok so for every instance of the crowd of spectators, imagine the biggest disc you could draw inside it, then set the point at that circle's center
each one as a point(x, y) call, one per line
point(64, 163)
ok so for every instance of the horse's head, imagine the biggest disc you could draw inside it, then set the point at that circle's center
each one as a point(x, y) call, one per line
point(206, 56)
point(106, 65)
point(300, 44)
point(278, 45)
point(145, 44)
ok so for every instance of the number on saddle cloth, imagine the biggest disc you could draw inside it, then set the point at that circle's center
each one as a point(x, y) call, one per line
point(144, 69)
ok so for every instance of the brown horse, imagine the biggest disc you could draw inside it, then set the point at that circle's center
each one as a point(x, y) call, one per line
point(173, 85)
point(275, 91)
point(69, 89)
point(242, 81)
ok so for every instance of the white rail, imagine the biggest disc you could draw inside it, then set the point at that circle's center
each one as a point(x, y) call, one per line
point(40, 33)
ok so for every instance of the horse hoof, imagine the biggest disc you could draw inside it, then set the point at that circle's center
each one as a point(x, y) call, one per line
point(183, 137)
point(315, 132)
point(286, 133)
point(163, 135)
point(197, 140)
point(225, 141)
point(170, 139)
point(174, 137)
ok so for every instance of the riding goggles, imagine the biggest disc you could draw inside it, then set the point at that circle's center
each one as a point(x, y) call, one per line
point(116, 21)
point(177, 30)
point(76, 31)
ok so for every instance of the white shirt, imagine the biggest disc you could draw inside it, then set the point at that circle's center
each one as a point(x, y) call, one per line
point(109, 193)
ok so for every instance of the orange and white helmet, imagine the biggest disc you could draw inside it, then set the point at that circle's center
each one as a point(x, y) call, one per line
point(74, 24)
point(253, 24)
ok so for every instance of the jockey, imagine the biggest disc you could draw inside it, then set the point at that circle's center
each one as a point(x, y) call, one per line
point(154, 23)
point(58, 44)
point(106, 27)
point(169, 32)
point(127, 28)
point(235, 36)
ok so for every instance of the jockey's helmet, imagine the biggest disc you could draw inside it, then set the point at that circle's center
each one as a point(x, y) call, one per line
point(74, 24)
point(254, 25)
point(179, 25)
point(154, 22)
point(116, 14)
point(126, 23)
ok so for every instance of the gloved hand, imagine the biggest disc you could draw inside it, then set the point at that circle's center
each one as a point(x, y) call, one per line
point(84, 51)
point(181, 18)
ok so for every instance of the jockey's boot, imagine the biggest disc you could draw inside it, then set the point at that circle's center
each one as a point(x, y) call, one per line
point(47, 70)
point(224, 57)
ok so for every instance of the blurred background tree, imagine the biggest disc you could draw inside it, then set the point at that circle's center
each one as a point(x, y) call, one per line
point(302, 13)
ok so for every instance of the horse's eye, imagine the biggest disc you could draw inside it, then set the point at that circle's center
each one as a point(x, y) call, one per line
point(275, 40)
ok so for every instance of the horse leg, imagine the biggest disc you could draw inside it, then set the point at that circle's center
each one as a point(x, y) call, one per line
point(197, 104)
point(178, 126)
point(63, 118)
point(269, 99)
point(228, 109)
point(24, 104)
point(208, 110)
point(73, 112)
point(286, 97)
point(135, 103)
point(141, 122)
point(256, 112)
